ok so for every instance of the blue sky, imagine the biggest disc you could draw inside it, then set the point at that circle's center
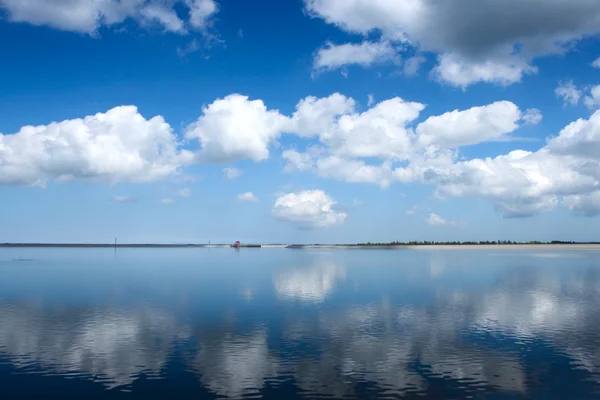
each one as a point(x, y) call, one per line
point(313, 121)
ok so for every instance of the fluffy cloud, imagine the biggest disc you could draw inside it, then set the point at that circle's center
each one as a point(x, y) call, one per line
point(436, 220)
point(380, 146)
point(85, 16)
point(579, 139)
point(344, 169)
point(314, 116)
point(235, 128)
point(593, 100)
point(412, 65)
point(384, 132)
point(232, 173)
point(524, 183)
point(355, 171)
point(201, 12)
point(532, 116)
point(248, 196)
point(381, 131)
point(462, 72)
point(519, 184)
point(494, 41)
point(333, 56)
point(472, 126)
point(596, 63)
point(568, 92)
point(297, 161)
point(308, 209)
point(588, 205)
point(370, 100)
point(119, 145)
point(571, 94)
point(165, 16)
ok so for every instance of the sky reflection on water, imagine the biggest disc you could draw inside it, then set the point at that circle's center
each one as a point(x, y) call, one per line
point(274, 323)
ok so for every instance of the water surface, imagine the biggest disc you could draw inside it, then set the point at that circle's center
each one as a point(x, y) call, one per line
point(282, 323)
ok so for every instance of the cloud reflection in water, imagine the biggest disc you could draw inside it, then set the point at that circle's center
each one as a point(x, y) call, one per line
point(495, 334)
point(312, 283)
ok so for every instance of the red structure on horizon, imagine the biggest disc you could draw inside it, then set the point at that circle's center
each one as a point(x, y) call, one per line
point(236, 244)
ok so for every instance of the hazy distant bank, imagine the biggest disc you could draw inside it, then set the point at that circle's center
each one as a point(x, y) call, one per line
point(486, 247)
point(503, 247)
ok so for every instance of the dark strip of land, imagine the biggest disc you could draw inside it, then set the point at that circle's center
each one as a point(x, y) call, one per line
point(480, 243)
point(369, 244)
point(107, 245)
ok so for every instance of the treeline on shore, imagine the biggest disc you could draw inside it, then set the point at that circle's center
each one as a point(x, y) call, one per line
point(486, 242)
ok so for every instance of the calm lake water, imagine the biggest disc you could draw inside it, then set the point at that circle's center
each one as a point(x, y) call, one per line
point(283, 323)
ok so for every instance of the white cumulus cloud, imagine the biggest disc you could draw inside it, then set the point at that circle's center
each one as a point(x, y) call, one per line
point(379, 131)
point(588, 205)
point(297, 161)
point(119, 145)
point(370, 100)
point(568, 93)
point(579, 139)
point(308, 209)
point(412, 65)
point(365, 54)
point(201, 12)
point(314, 115)
point(165, 16)
point(491, 41)
point(88, 16)
point(532, 116)
point(382, 145)
point(524, 183)
point(472, 126)
point(592, 101)
point(355, 171)
point(352, 141)
point(462, 72)
point(236, 128)
point(248, 196)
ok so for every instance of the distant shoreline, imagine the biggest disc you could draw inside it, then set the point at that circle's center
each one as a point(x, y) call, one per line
point(458, 247)
point(99, 245)
point(420, 247)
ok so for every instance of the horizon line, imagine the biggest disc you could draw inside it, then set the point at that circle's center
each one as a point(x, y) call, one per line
point(360, 244)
